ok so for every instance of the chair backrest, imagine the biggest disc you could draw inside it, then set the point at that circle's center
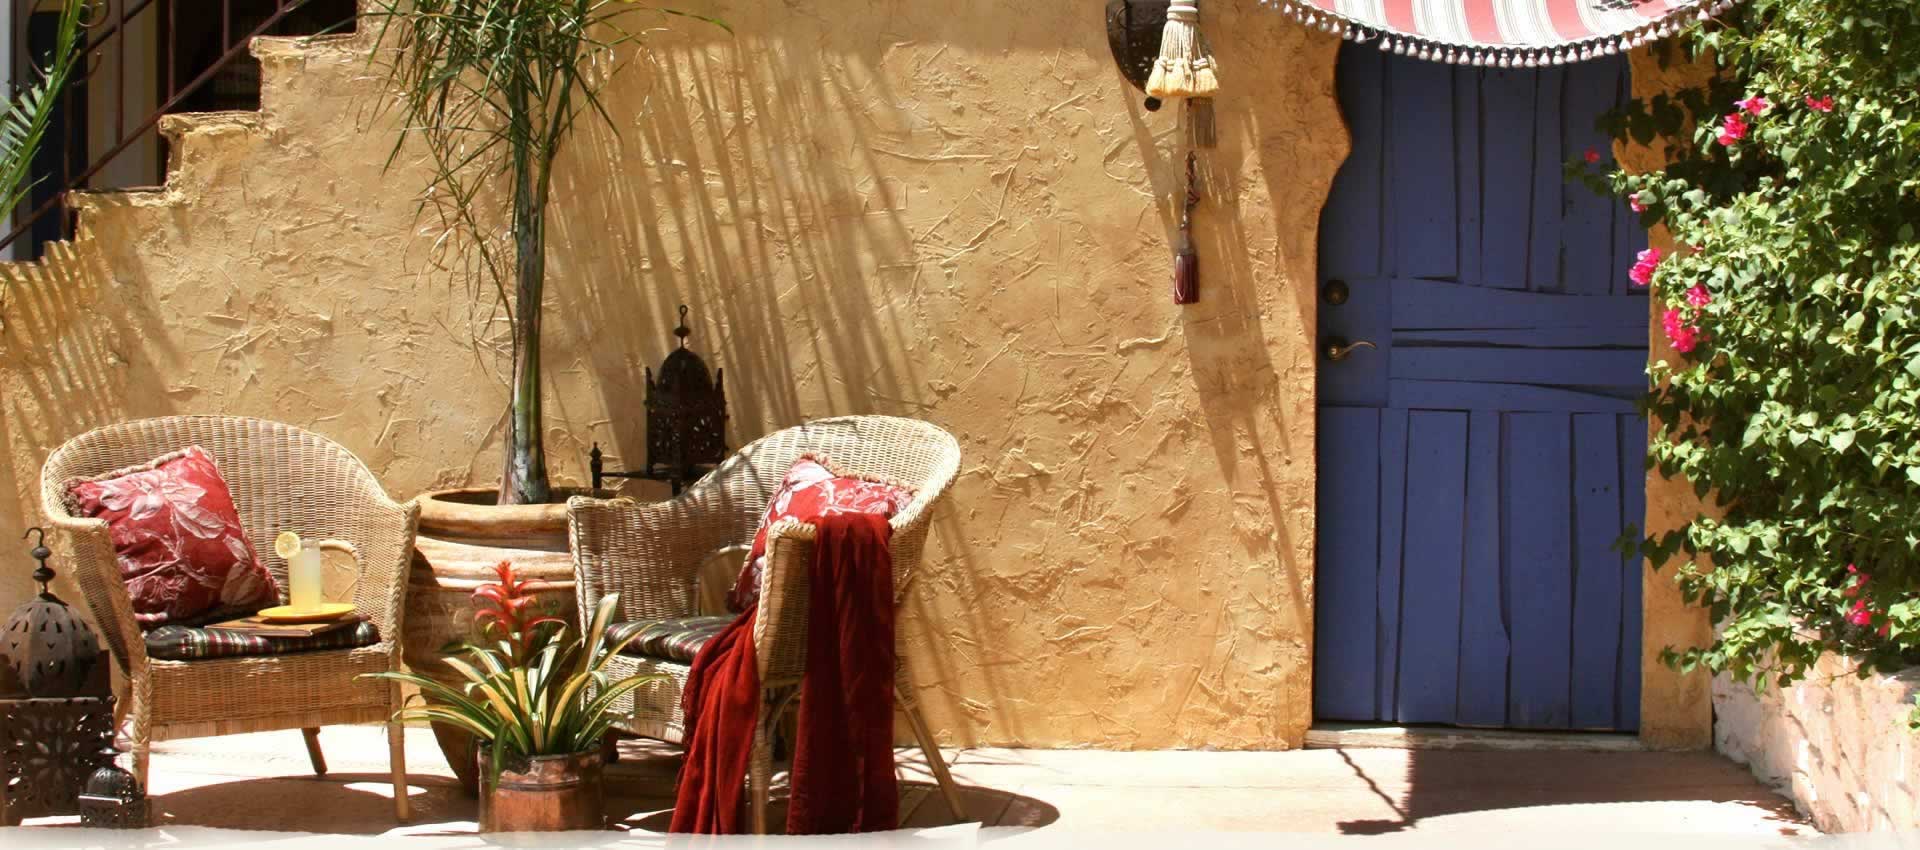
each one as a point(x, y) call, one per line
point(281, 477)
point(915, 453)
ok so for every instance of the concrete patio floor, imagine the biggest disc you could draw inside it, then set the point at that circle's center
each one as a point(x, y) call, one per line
point(263, 782)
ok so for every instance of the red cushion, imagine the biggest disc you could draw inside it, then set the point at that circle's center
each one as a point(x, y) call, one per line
point(814, 487)
point(182, 550)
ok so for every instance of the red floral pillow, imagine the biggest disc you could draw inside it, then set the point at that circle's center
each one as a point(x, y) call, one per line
point(182, 550)
point(814, 487)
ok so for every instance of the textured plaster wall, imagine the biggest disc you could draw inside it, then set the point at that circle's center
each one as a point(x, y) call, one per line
point(1676, 709)
point(952, 211)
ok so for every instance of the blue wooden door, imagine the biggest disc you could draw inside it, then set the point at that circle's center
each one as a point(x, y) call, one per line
point(1478, 465)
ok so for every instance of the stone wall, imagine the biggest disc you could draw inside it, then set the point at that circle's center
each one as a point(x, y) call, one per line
point(1836, 743)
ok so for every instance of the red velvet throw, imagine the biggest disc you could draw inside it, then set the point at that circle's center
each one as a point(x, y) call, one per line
point(842, 778)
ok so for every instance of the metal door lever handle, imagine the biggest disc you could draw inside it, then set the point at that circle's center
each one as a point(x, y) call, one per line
point(1337, 348)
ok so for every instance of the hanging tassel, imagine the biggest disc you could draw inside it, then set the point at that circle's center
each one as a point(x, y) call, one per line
point(1185, 67)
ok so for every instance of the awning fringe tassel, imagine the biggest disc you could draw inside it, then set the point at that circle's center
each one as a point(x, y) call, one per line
point(1496, 56)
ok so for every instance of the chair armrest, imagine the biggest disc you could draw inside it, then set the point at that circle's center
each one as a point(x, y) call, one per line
point(649, 553)
point(95, 569)
point(386, 558)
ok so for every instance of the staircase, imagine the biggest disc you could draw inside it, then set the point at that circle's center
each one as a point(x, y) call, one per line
point(146, 61)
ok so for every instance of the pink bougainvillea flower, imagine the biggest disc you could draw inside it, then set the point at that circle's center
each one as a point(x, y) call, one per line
point(1644, 264)
point(1698, 296)
point(1593, 156)
point(1633, 203)
point(1860, 616)
point(1683, 336)
point(1733, 128)
point(1754, 105)
point(1823, 103)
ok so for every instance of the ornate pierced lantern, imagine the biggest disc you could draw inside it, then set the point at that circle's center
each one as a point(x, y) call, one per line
point(113, 799)
point(1134, 29)
point(686, 419)
point(56, 704)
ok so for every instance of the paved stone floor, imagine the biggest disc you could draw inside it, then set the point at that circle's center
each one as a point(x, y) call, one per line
point(263, 782)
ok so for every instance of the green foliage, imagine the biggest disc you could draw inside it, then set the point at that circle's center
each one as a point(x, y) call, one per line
point(531, 688)
point(1798, 409)
point(24, 118)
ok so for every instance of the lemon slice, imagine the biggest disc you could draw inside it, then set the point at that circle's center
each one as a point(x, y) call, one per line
point(286, 545)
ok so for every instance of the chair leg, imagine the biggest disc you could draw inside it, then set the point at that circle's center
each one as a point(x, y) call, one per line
point(760, 771)
point(319, 759)
point(935, 761)
point(397, 760)
point(140, 736)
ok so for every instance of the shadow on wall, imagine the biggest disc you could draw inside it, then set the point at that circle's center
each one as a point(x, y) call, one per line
point(66, 365)
point(777, 182)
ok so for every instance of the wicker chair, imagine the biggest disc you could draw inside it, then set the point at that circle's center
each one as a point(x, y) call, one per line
point(282, 478)
point(650, 554)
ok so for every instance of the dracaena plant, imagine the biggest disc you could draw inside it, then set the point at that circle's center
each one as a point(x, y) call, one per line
point(492, 89)
point(532, 687)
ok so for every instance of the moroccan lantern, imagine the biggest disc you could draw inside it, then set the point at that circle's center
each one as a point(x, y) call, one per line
point(1134, 29)
point(56, 704)
point(112, 798)
point(686, 419)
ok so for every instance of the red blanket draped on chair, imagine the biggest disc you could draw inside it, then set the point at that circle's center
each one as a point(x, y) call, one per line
point(842, 778)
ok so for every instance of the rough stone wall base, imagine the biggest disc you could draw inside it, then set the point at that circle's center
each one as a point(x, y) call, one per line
point(1838, 745)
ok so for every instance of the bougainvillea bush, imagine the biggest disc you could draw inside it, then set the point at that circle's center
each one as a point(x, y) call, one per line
point(1793, 402)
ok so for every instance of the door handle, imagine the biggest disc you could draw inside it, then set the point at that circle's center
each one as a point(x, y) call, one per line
point(1338, 348)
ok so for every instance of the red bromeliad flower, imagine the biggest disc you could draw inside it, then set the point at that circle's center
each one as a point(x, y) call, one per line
point(508, 606)
point(1733, 128)
point(1823, 103)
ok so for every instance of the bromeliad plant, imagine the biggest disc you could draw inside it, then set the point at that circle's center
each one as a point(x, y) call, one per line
point(532, 689)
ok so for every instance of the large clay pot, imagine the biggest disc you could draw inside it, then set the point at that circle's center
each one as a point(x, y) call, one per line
point(547, 794)
point(463, 534)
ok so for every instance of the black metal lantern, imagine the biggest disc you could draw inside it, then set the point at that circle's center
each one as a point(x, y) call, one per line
point(113, 799)
point(1134, 29)
point(686, 419)
point(56, 710)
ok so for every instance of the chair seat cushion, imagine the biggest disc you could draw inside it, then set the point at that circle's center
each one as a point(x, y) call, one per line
point(673, 639)
point(178, 538)
point(814, 488)
point(187, 643)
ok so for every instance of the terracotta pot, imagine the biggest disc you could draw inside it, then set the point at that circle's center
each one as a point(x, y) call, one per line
point(547, 794)
point(463, 534)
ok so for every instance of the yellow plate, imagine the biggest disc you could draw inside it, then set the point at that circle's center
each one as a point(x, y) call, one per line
point(289, 614)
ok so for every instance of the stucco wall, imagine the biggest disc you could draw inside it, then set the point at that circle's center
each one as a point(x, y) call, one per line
point(953, 211)
point(1835, 743)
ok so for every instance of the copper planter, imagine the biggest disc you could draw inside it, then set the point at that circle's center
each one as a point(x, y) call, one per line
point(547, 794)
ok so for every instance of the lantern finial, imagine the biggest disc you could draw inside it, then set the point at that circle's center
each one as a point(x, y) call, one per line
point(40, 553)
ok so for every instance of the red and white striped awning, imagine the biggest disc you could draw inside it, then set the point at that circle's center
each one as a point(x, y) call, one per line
point(1502, 33)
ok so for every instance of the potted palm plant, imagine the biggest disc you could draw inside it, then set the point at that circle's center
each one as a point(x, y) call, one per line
point(538, 701)
point(491, 90)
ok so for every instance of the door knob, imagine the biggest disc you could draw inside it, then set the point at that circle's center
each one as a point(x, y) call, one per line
point(1338, 348)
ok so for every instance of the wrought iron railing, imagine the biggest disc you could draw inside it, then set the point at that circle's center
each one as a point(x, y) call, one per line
point(144, 59)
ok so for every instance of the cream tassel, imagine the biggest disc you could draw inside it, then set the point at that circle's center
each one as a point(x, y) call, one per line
point(1185, 67)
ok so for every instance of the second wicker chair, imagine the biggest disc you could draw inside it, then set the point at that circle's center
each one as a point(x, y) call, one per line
point(650, 553)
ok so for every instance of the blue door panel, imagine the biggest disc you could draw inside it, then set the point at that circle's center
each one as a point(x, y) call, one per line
point(1478, 465)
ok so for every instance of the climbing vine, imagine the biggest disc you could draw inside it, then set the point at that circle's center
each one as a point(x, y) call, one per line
point(1792, 188)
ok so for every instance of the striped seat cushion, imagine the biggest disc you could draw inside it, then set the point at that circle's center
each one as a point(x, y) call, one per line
point(673, 639)
point(187, 643)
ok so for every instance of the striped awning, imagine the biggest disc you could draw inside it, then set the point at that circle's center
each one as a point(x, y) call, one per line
point(1502, 33)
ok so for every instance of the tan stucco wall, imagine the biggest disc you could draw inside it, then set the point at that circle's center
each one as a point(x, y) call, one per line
point(953, 211)
point(1676, 709)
